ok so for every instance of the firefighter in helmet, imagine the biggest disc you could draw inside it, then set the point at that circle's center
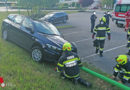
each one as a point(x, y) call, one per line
point(122, 69)
point(68, 65)
point(100, 31)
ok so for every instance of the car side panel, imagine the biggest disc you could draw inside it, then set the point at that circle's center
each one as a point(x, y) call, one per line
point(27, 38)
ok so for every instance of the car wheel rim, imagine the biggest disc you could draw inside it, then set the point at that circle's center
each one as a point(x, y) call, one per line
point(36, 55)
point(4, 35)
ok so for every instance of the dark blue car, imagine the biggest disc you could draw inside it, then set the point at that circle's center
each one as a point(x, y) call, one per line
point(55, 17)
point(43, 40)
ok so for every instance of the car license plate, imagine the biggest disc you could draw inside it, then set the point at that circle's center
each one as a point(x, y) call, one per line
point(121, 22)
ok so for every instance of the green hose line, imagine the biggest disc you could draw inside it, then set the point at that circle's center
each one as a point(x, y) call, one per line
point(105, 78)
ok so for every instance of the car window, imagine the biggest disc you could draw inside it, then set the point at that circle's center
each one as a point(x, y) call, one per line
point(117, 9)
point(11, 17)
point(46, 28)
point(58, 14)
point(18, 19)
point(48, 15)
point(124, 8)
point(27, 23)
point(128, 7)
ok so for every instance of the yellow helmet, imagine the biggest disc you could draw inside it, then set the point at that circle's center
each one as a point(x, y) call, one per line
point(67, 46)
point(103, 19)
point(122, 59)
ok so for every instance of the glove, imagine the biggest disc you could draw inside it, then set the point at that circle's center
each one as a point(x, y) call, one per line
point(55, 69)
point(109, 38)
point(125, 30)
point(93, 36)
point(113, 77)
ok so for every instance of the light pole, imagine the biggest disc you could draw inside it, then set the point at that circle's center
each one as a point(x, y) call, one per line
point(6, 5)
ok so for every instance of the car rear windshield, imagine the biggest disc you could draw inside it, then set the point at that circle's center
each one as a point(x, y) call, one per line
point(49, 15)
point(122, 8)
point(46, 28)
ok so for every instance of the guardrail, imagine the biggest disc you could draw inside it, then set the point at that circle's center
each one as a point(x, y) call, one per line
point(105, 78)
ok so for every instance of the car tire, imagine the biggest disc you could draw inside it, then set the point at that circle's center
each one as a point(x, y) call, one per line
point(37, 54)
point(5, 34)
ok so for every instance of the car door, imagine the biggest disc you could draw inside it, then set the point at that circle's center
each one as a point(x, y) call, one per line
point(28, 33)
point(15, 31)
point(57, 16)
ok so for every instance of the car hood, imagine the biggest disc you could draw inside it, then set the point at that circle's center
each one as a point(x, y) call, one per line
point(58, 40)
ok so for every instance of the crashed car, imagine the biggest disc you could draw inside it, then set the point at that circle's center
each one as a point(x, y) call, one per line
point(42, 40)
point(55, 17)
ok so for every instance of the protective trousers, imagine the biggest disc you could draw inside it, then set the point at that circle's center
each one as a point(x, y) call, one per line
point(107, 23)
point(128, 45)
point(92, 26)
point(76, 80)
point(127, 23)
point(100, 45)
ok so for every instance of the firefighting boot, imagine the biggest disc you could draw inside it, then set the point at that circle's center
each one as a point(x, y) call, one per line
point(96, 50)
point(62, 75)
point(101, 53)
point(85, 83)
point(75, 81)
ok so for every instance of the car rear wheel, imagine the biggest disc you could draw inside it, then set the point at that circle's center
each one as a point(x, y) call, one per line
point(5, 35)
point(37, 54)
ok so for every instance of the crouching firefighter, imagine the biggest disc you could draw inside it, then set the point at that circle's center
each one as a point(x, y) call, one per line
point(68, 65)
point(100, 30)
point(122, 69)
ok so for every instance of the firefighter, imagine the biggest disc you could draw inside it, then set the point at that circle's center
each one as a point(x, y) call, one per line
point(107, 15)
point(100, 31)
point(68, 65)
point(127, 20)
point(122, 69)
point(128, 44)
point(93, 19)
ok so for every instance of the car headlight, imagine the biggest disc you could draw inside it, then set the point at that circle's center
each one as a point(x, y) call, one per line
point(52, 47)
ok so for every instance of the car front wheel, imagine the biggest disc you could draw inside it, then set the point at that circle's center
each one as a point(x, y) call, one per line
point(37, 54)
point(5, 35)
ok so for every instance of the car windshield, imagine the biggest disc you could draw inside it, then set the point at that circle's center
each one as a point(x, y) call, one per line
point(122, 8)
point(46, 28)
point(49, 15)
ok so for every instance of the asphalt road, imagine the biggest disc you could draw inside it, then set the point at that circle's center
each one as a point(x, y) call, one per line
point(81, 35)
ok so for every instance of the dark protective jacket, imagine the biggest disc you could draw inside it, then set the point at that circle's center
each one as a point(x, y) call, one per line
point(107, 16)
point(128, 37)
point(124, 70)
point(93, 18)
point(69, 64)
point(128, 33)
point(101, 30)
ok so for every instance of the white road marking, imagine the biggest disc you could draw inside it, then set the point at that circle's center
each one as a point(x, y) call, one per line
point(72, 33)
point(82, 40)
point(104, 51)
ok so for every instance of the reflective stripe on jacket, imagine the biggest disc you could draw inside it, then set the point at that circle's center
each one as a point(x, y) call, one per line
point(101, 30)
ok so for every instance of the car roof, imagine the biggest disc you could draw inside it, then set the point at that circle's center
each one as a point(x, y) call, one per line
point(56, 12)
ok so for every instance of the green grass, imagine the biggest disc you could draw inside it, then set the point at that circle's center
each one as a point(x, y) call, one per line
point(20, 72)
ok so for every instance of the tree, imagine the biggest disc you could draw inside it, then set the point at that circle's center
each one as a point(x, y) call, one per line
point(85, 3)
point(107, 3)
point(36, 5)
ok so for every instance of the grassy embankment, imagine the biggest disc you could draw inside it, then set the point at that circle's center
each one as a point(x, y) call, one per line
point(20, 72)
